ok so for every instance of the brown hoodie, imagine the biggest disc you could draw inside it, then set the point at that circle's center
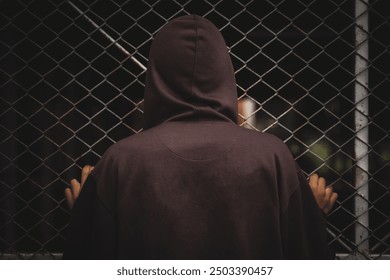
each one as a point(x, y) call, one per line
point(193, 184)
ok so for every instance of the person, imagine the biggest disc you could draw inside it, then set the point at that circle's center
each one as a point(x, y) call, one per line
point(193, 184)
point(323, 194)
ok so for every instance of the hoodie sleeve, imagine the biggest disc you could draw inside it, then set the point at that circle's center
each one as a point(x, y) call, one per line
point(304, 225)
point(91, 232)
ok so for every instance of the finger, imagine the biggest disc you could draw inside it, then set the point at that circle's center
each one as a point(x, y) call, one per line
point(333, 199)
point(325, 199)
point(328, 192)
point(84, 173)
point(75, 185)
point(313, 180)
point(321, 182)
point(322, 186)
point(69, 198)
point(331, 203)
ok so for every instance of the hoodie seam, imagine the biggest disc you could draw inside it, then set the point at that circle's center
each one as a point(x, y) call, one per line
point(195, 60)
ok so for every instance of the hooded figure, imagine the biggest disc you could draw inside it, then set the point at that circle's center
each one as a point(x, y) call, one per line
point(193, 184)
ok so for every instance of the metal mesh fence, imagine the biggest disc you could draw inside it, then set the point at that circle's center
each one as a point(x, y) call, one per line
point(314, 73)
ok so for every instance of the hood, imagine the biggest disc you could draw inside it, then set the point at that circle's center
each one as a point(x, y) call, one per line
point(190, 76)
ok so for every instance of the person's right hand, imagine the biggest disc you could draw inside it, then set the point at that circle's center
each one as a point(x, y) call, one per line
point(323, 194)
point(72, 193)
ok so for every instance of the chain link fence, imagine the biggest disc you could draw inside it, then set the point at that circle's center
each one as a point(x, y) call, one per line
point(314, 73)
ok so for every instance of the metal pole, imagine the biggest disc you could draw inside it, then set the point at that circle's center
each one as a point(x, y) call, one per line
point(105, 34)
point(361, 127)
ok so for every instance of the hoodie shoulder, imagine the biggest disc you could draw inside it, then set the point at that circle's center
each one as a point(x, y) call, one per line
point(142, 141)
point(265, 141)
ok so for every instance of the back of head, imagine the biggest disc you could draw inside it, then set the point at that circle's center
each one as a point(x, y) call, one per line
point(190, 75)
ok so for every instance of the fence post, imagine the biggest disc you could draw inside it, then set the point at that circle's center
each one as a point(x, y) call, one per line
point(361, 128)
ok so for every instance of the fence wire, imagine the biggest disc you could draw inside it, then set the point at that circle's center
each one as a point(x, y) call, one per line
point(314, 73)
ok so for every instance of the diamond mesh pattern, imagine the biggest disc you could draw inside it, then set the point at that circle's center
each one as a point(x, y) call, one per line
point(68, 93)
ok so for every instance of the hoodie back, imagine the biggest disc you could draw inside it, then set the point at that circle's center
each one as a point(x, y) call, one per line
point(193, 184)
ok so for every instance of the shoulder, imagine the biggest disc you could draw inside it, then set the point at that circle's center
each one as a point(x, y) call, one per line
point(266, 147)
point(262, 140)
point(143, 140)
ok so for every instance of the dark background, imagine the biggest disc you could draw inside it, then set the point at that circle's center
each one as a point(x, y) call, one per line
point(67, 93)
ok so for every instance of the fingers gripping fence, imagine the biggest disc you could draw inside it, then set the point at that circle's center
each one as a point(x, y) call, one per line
point(315, 73)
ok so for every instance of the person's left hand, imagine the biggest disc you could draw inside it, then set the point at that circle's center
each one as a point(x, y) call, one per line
point(324, 195)
point(73, 192)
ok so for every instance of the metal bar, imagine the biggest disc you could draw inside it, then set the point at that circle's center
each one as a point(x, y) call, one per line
point(361, 127)
point(105, 34)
